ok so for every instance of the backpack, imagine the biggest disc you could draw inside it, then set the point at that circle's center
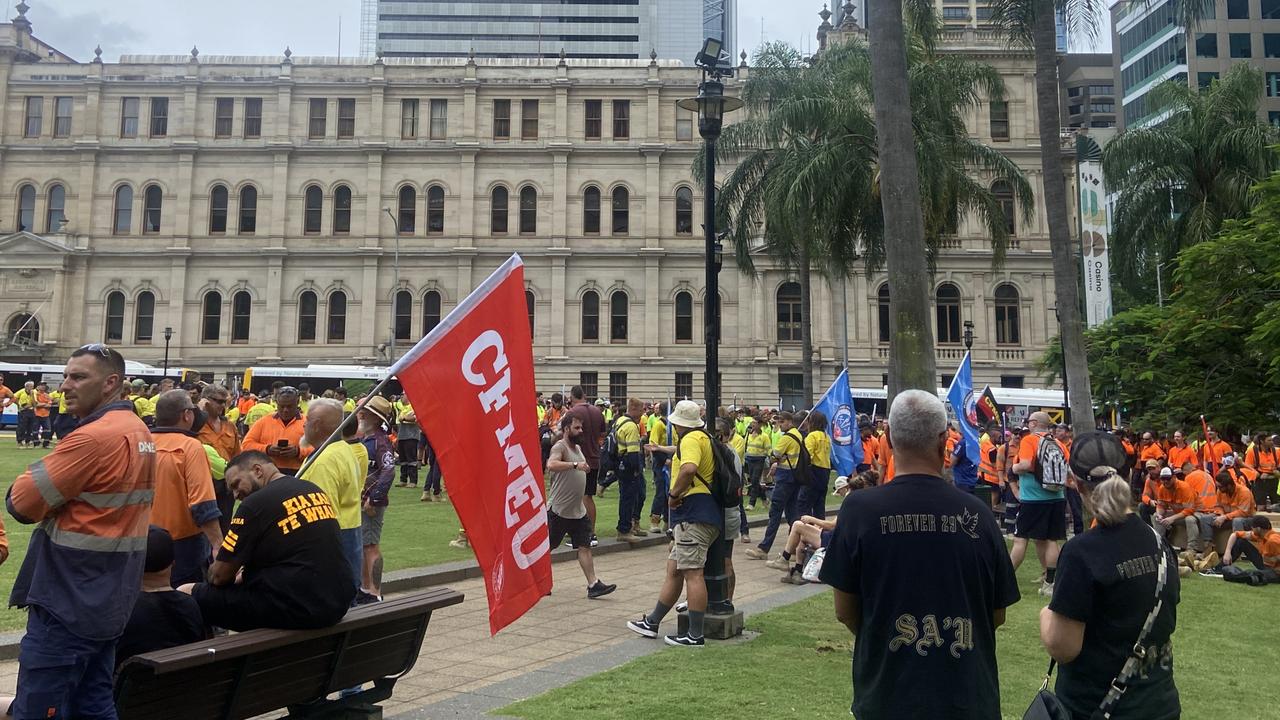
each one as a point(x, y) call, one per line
point(725, 483)
point(1051, 469)
point(611, 455)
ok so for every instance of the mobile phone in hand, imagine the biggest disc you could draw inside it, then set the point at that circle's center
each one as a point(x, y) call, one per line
point(282, 443)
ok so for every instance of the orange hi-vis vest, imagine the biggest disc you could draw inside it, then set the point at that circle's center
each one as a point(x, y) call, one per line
point(1205, 491)
point(987, 466)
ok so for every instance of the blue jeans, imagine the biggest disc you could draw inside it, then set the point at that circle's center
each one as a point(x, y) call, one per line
point(661, 486)
point(61, 675)
point(1076, 505)
point(630, 486)
point(353, 549)
point(813, 495)
point(783, 502)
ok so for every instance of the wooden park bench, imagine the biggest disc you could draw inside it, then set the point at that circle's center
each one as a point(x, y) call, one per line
point(243, 675)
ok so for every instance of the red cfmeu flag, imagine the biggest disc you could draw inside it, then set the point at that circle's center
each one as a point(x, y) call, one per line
point(471, 384)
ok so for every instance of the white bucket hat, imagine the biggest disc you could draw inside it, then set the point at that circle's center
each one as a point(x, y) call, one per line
point(687, 414)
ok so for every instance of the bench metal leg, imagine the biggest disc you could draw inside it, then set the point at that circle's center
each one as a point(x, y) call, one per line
point(360, 706)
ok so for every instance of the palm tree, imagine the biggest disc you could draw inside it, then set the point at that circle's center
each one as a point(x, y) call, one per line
point(1179, 180)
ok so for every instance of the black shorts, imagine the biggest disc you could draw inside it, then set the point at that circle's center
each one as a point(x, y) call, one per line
point(578, 530)
point(1042, 520)
point(593, 483)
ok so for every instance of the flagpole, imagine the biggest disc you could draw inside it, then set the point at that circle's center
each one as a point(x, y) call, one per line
point(337, 433)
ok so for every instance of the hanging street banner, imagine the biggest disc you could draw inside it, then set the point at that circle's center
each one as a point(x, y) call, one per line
point(1095, 231)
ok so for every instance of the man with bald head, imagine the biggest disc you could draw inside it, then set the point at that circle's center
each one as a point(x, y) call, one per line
point(339, 474)
point(185, 503)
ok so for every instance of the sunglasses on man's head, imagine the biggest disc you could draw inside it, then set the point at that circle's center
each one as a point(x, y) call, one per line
point(99, 348)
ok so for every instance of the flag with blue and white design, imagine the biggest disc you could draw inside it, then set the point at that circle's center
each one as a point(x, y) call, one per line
point(846, 445)
point(965, 406)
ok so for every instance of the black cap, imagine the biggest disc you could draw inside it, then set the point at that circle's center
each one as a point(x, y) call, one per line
point(159, 549)
point(1096, 450)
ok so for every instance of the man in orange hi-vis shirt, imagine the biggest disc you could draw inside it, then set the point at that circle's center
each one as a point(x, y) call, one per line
point(1175, 504)
point(1180, 453)
point(1212, 452)
point(280, 435)
point(1149, 449)
point(1233, 507)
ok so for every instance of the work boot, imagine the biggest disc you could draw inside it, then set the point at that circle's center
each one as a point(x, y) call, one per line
point(627, 537)
point(461, 541)
point(778, 564)
point(637, 530)
point(756, 553)
point(426, 496)
point(655, 524)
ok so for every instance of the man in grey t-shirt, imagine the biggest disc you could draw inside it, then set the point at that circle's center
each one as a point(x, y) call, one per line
point(566, 512)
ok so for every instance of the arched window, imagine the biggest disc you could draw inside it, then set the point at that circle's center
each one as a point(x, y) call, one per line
point(498, 211)
point(24, 329)
point(248, 210)
point(430, 311)
point(789, 312)
point(684, 317)
point(57, 211)
point(528, 302)
point(1008, 328)
point(211, 317)
point(153, 201)
point(621, 211)
point(435, 209)
point(528, 211)
point(590, 316)
point(684, 211)
point(948, 313)
point(115, 318)
point(403, 321)
point(144, 317)
point(408, 210)
point(618, 317)
point(123, 216)
point(313, 209)
point(342, 209)
point(27, 208)
point(882, 311)
point(591, 211)
point(241, 308)
point(337, 317)
point(218, 199)
point(307, 303)
point(1003, 194)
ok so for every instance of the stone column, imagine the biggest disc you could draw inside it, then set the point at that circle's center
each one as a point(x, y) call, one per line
point(184, 187)
point(467, 193)
point(277, 194)
point(51, 331)
point(177, 301)
point(559, 291)
point(372, 329)
point(559, 198)
point(274, 299)
point(652, 305)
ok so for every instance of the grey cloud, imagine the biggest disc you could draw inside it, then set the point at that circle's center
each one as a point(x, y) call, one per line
point(76, 34)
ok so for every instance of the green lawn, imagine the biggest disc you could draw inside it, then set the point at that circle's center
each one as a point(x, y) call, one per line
point(799, 665)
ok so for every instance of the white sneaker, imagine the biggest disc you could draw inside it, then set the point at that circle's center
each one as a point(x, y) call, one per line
point(681, 607)
point(1046, 589)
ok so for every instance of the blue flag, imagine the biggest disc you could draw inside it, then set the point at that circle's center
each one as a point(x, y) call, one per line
point(965, 406)
point(846, 445)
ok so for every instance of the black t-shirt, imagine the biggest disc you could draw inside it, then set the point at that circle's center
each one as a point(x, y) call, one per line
point(930, 567)
point(160, 620)
point(286, 536)
point(1107, 580)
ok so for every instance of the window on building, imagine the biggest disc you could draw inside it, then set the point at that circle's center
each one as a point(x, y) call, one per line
point(590, 383)
point(153, 203)
point(1074, 92)
point(882, 312)
point(1012, 381)
point(529, 119)
point(241, 310)
point(1273, 118)
point(430, 311)
point(498, 202)
point(591, 317)
point(684, 125)
point(621, 119)
point(1097, 90)
point(1271, 45)
point(1237, 9)
point(62, 108)
point(1008, 327)
point(435, 209)
point(317, 117)
point(1003, 194)
point(789, 312)
point(529, 305)
point(307, 309)
point(948, 313)
point(684, 317)
point(252, 118)
point(123, 214)
point(408, 211)
point(618, 386)
point(1207, 45)
point(159, 117)
point(1205, 79)
point(683, 385)
point(342, 210)
point(1102, 107)
point(1270, 9)
point(346, 117)
point(403, 314)
point(313, 210)
point(114, 330)
point(501, 119)
point(528, 211)
point(684, 211)
point(337, 317)
point(999, 120)
point(223, 117)
point(35, 117)
point(144, 317)
point(211, 317)
point(408, 119)
point(1074, 109)
point(129, 108)
point(618, 317)
point(1273, 84)
point(591, 211)
point(1241, 45)
point(594, 118)
point(56, 212)
point(218, 201)
point(621, 211)
point(27, 208)
point(248, 210)
point(439, 119)
point(945, 379)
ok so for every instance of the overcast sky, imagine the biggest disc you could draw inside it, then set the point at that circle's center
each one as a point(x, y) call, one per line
point(308, 27)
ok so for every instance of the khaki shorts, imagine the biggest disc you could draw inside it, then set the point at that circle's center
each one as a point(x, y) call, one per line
point(691, 542)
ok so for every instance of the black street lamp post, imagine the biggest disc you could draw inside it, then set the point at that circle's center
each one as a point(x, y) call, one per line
point(968, 336)
point(168, 334)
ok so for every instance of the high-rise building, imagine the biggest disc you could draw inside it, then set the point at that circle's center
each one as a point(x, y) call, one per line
point(1088, 93)
point(595, 29)
point(1149, 47)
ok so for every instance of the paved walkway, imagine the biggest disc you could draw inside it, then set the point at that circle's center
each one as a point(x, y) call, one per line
point(463, 672)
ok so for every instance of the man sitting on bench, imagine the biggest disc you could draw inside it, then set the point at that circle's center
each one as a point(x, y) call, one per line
point(281, 563)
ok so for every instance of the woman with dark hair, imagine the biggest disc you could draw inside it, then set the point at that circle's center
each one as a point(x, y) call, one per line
point(1114, 605)
point(813, 496)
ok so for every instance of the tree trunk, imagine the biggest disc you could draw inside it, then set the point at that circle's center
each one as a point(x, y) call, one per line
point(806, 325)
point(1065, 277)
point(911, 359)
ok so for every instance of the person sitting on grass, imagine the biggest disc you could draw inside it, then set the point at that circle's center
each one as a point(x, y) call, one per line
point(1259, 545)
point(815, 532)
